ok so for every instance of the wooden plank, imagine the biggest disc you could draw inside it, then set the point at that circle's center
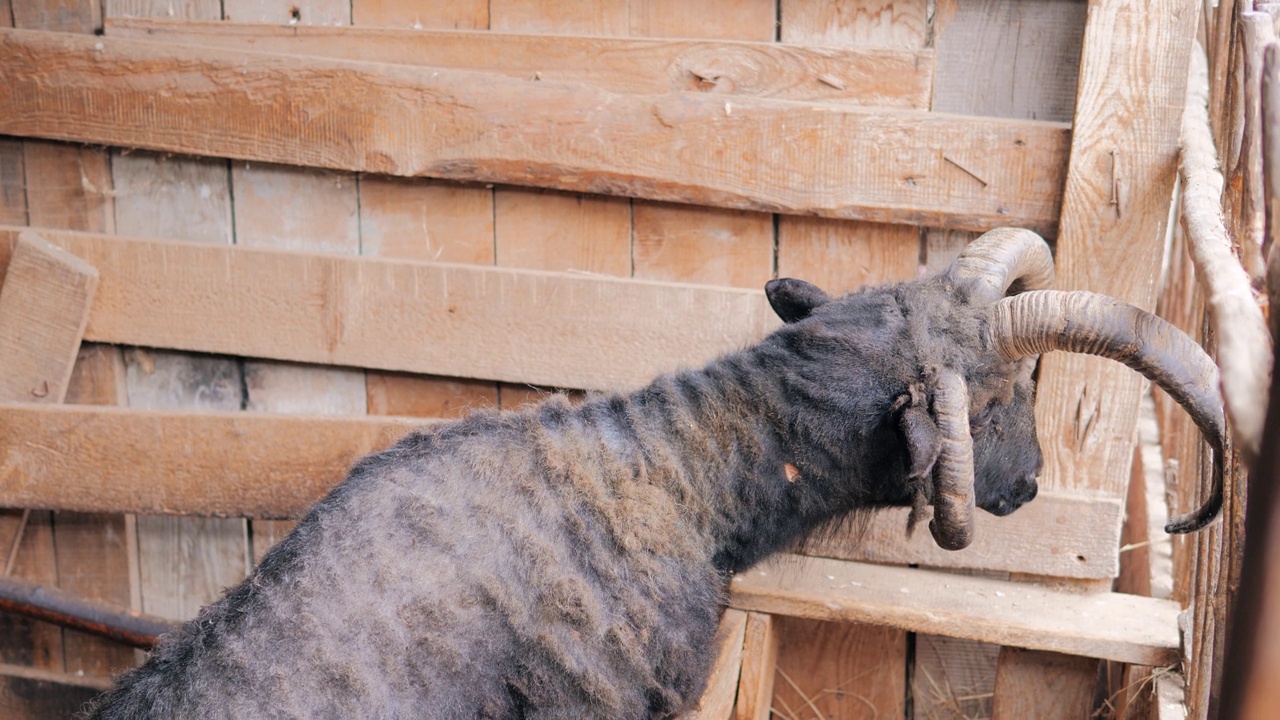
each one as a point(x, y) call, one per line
point(879, 77)
point(548, 230)
point(30, 693)
point(717, 701)
point(492, 323)
point(289, 13)
point(44, 307)
point(458, 14)
point(263, 465)
point(1068, 694)
point(702, 245)
point(13, 184)
point(685, 244)
point(839, 670)
point(949, 171)
point(1105, 625)
point(874, 23)
point(1125, 143)
point(759, 668)
point(180, 9)
point(841, 256)
point(421, 219)
point(1009, 58)
point(69, 16)
point(223, 458)
point(68, 187)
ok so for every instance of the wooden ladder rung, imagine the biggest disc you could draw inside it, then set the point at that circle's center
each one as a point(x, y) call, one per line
point(1110, 626)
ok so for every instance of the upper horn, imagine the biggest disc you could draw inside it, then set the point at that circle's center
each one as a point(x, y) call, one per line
point(997, 259)
point(1037, 322)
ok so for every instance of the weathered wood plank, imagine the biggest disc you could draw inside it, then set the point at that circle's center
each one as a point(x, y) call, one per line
point(1123, 164)
point(1043, 685)
point(560, 330)
point(840, 670)
point(759, 668)
point(948, 171)
point(255, 465)
point(44, 307)
point(868, 77)
point(1104, 625)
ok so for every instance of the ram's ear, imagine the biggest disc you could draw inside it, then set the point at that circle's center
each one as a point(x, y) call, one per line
point(793, 299)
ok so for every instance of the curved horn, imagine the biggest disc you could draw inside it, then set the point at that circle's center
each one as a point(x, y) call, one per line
point(1037, 322)
point(997, 259)
point(953, 502)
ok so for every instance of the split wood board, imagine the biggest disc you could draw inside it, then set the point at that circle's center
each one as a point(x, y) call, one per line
point(44, 306)
point(222, 464)
point(825, 159)
point(522, 326)
point(1110, 626)
point(868, 77)
point(275, 466)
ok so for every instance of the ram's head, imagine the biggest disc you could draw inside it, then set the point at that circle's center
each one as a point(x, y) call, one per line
point(967, 415)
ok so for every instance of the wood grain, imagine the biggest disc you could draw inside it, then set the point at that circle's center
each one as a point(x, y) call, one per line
point(867, 23)
point(1101, 624)
point(645, 65)
point(44, 307)
point(213, 463)
point(555, 329)
point(13, 184)
point(68, 186)
point(457, 14)
point(1133, 81)
point(456, 124)
point(759, 668)
point(839, 670)
point(1043, 685)
point(717, 701)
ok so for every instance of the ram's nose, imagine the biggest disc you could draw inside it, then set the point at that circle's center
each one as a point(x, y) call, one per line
point(1023, 491)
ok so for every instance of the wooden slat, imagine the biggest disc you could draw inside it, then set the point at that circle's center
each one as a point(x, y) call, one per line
point(243, 465)
point(44, 307)
point(759, 668)
point(839, 670)
point(1043, 685)
point(950, 171)
point(255, 465)
point(717, 699)
point(1100, 625)
point(876, 78)
point(561, 330)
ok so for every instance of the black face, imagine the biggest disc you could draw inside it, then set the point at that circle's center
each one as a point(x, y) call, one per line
point(1007, 456)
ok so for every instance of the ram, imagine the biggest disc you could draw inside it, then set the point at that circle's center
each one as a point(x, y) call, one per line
point(573, 561)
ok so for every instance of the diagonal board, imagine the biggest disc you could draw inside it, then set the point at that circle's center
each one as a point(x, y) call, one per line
point(872, 77)
point(827, 159)
point(44, 306)
point(542, 328)
point(261, 465)
point(1112, 626)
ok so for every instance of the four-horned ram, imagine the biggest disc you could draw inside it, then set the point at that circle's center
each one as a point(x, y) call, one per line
point(573, 561)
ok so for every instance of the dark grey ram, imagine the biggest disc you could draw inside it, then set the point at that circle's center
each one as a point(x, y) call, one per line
point(573, 561)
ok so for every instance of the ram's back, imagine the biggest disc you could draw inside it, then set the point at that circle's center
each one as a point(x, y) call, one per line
point(533, 565)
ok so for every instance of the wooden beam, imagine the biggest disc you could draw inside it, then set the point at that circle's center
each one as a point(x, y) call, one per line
point(227, 464)
point(541, 328)
point(1104, 625)
point(879, 77)
point(759, 668)
point(1043, 685)
point(44, 306)
point(745, 153)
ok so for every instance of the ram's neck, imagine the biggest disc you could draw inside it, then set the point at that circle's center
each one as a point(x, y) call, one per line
point(752, 471)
